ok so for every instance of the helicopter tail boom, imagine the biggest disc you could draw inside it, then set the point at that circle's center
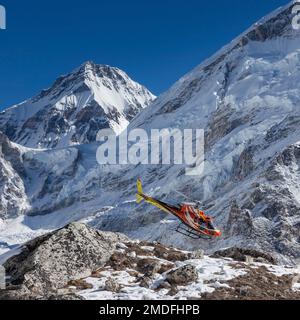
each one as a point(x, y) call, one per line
point(140, 196)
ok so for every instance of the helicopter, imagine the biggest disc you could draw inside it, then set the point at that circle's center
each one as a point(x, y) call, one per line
point(195, 223)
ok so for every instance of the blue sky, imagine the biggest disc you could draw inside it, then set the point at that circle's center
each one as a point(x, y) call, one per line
point(155, 42)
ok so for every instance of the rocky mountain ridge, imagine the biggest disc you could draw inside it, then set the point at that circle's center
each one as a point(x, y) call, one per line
point(76, 107)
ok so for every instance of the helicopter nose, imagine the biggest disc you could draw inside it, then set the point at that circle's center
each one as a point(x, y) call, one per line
point(218, 233)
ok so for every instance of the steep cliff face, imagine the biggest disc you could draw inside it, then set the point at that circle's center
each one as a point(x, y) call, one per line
point(75, 108)
point(13, 198)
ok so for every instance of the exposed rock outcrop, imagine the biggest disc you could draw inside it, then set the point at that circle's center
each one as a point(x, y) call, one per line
point(241, 254)
point(183, 275)
point(112, 285)
point(13, 198)
point(50, 262)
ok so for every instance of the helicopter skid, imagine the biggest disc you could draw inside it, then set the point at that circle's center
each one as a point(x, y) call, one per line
point(188, 232)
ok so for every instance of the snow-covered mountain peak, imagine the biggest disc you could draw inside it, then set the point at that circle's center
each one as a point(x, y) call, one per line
point(91, 71)
point(75, 107)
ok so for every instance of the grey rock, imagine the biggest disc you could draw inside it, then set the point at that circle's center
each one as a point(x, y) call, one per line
point(164, 285)
point(240, 221)
point(148, 266)
point(112, 285)
point(13, 198)
point(145, 282)
point(65, 297)
point(50, 262)
point(244, 165)
point(183, 275)
point(173, 291)
point(243, 254)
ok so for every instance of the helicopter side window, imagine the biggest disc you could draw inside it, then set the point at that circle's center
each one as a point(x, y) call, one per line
point(198, 220)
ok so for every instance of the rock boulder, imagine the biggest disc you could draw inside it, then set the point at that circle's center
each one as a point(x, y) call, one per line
point(50, 262)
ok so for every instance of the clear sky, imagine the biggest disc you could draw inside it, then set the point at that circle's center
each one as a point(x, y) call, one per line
point(155, 42)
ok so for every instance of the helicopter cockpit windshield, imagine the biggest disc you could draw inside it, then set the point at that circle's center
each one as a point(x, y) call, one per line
point(210, 225)
point(207, 224)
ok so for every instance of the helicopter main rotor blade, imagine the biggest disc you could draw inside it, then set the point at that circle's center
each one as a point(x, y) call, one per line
point(188, 198)
point(183, 195)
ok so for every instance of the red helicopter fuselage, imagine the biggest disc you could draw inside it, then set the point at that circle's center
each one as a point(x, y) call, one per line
point(187, 213)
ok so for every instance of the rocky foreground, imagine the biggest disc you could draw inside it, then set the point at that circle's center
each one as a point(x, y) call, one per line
point(78, 262)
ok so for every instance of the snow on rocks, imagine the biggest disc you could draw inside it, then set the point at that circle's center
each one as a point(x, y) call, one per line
point(78, 262)
point(153, 277)
point(247, 255)
point(183, 275)
point(50, 262)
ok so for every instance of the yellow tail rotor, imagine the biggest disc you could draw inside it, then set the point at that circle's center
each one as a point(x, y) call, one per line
point(139, 196)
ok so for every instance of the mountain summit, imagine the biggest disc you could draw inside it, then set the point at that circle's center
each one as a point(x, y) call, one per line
point(76, 107)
